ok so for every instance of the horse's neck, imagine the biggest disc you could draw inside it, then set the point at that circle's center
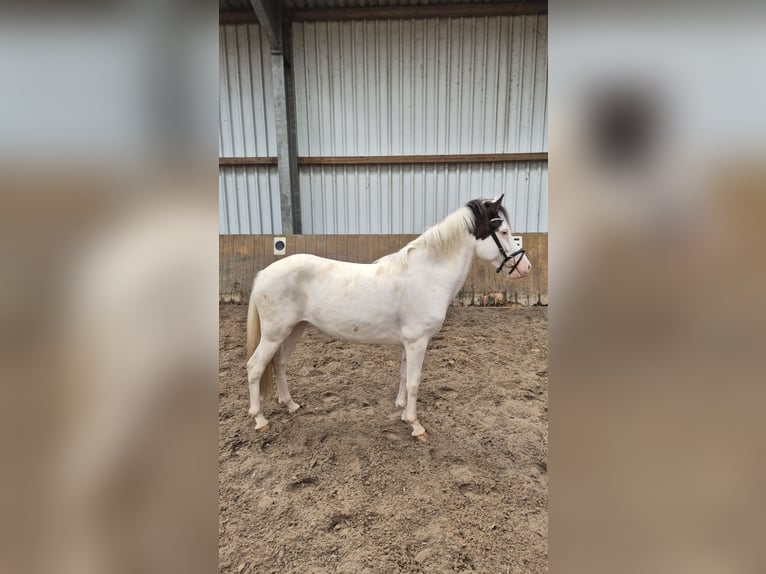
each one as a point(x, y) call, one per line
point(446, 274)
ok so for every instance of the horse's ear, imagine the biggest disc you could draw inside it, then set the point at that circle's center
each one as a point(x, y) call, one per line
point(498, 201)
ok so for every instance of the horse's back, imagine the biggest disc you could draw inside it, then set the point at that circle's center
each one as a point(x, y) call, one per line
point(300, 265)
point(306, 273)
point(353, 301)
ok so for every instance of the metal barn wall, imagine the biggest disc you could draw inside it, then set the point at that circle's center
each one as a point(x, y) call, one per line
point(248, 195)
point(420, 87)
point(407, 199)
point(248, 200)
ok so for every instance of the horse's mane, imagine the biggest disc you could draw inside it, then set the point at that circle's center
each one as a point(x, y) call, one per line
point(443, 238)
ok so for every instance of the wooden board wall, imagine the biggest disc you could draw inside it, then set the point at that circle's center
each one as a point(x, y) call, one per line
point(242, 256)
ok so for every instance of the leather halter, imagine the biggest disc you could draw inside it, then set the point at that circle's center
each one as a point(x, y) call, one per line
point(505, 255)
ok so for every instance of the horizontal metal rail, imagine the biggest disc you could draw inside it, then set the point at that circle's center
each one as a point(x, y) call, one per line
point(393, 159)
point(398, 12)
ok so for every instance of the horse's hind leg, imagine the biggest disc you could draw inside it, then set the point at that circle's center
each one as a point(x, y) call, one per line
point(256, 365)
point(401, 398)
point(281, 359)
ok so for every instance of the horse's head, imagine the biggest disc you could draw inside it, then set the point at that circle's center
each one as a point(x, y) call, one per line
point(494, 243)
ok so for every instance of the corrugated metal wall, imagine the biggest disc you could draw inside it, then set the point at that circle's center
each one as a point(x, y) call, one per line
point(393, 87)
point(248, 200)
point(437, 86)
point(420, 87)
point(407, 199)
point(248, 195)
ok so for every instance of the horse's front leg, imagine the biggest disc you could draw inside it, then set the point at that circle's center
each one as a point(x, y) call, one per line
point(414, 356)
point(401, 398)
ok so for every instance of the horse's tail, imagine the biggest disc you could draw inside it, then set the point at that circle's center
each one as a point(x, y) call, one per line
point(253, 337)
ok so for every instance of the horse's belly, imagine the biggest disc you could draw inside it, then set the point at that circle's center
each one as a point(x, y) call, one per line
point(357, 334)
point(361, 323)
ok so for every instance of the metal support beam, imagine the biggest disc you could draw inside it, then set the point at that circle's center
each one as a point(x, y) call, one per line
point(277, 29)
point(269, 17)
point(287, 156)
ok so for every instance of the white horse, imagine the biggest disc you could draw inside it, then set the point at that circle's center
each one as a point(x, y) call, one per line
point(401, 299)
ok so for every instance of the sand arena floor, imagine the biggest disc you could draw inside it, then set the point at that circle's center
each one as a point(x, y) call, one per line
point(340, 486)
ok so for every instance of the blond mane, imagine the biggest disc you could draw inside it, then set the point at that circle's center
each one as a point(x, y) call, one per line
point(442, 239)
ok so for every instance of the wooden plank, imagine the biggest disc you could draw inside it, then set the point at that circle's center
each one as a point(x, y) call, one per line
point(321, 246)
point(311, 244)
point(352, 248)
point(423, 159)
point(367, 248)
point(247, 161)
point(421, 11)
point(235, 266)
point(237, 245)
point(247, 270)
point(381, 247)
point(361, 249)
point(482, 277)
point(223, 263)
point(341, 251)
point(332, 247)
point(255, 254)
point(296, 244)
point(540, 266)
point(267, 246)
point(241, 256)
point(376, 247)
point(393, 243)
point(254, 262)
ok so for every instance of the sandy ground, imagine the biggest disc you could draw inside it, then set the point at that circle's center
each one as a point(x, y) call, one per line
point(340, 486)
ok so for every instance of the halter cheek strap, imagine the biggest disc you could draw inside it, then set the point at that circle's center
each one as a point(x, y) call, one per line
point(505, 255)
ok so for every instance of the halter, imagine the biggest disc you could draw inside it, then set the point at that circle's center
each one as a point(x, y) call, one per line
point(506, 257)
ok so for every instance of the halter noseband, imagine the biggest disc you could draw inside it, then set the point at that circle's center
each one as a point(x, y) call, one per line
point(505, 255)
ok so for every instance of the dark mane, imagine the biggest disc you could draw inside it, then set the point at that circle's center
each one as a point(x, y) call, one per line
point(483, 213)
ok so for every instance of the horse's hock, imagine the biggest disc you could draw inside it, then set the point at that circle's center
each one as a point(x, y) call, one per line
point(242, 256)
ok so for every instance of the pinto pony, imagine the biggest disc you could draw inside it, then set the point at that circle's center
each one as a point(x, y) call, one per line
point(401, 299)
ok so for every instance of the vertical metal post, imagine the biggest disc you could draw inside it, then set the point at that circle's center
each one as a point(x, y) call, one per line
point(278, 30)
point(284, 108)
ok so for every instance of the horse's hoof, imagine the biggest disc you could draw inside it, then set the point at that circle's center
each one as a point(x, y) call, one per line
point(292, 407)
point(422, 437)
point(261, 424)
point(418, 431)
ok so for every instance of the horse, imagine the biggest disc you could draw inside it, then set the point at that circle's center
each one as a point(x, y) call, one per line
point(400, 299)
